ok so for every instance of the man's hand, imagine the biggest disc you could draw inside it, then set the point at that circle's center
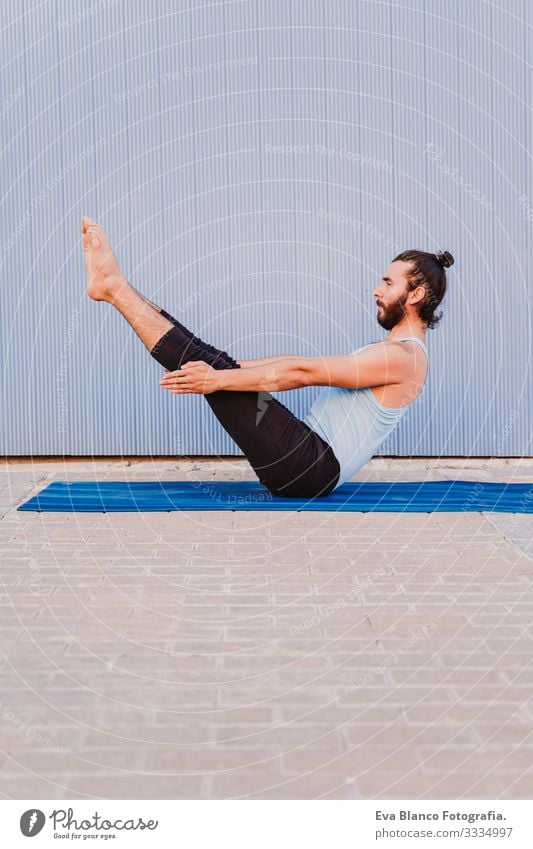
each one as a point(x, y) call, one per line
point(195, 376)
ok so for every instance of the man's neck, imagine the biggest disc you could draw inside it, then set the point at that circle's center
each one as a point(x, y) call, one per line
point(407, 328)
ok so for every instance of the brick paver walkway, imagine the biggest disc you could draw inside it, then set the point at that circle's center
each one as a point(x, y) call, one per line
point(264, 655)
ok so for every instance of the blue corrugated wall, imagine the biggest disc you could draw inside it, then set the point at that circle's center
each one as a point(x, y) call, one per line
point(257, 165)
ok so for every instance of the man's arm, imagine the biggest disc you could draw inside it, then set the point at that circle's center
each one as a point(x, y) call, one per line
point(382, 364)
point(376, 366)
point(261, 361)
point(278, 374)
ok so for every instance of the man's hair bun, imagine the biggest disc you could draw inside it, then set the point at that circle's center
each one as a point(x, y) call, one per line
point(445, 259)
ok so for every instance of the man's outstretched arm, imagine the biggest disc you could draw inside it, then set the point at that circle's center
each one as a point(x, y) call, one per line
point(197, 376)
point(381, 365)
point(273, 375)
point(262, 361)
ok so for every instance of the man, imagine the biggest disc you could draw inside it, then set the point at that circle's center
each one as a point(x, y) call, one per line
point(367, 391)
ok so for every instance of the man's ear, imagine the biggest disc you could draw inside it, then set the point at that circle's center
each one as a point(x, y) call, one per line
point(417, 295)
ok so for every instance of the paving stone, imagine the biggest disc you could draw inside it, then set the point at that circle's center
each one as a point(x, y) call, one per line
point(272, 655)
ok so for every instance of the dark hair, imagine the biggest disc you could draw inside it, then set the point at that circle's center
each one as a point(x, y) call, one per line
point(427, 270)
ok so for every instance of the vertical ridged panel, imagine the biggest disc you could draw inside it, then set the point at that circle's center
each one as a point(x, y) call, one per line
point(396, 128)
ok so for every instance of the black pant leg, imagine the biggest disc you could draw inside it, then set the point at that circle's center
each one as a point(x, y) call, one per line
point(286, 455)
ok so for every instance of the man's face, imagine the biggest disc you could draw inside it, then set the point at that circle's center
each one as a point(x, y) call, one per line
point(391, 295)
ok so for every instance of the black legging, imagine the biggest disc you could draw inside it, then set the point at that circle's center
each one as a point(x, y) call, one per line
point(288, 457)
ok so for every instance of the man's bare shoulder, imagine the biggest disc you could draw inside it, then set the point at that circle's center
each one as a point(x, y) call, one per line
point(388, 348)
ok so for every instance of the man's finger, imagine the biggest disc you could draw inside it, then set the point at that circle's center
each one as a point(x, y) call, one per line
point(172, 379)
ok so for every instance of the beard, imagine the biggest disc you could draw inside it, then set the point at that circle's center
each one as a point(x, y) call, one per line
point(391, 315)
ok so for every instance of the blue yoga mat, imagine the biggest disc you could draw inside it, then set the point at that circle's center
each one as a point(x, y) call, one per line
point(372, 497)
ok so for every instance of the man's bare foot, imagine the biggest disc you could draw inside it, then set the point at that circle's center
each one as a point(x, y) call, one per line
point(104, 276)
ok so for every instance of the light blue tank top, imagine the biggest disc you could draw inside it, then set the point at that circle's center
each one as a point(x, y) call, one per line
point(353, 421)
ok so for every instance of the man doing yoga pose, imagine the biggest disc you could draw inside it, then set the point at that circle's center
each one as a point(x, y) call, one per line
point(367, 391)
